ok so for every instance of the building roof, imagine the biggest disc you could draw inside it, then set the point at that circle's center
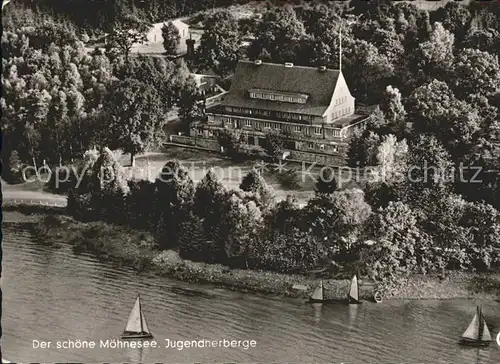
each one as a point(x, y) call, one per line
point(318, 85)
point(345, 121)
point(179, 24)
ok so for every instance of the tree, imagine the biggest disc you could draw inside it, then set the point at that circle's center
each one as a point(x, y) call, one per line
point(484, 40)
point(107, 188)
point(174, 200)
point(451, 238)
point(326, 184)
point(399, 243)
point(171, 38)
point(388, 43)
point(430, 171)
point(274, 144)
point(58, 116)
point(392, 159)
point(484, 222)
point(392, 106)
point(230, 141)
point(135, 116)
point(285, 215)
point(192, 240)
point(454, 17)
point(191, 105)
point(107, 174)
point(125, 35)
point(295, 251)
point(209, 194)
point(13, 174)
point(240, 227)
point(38, 106)
point(337, 219)
point(366, 69)
point(209, 198)
point(220, 43)
point(429, 102)
point(279, 33)
point(437, 111)
point(435, 56)
point(362, 149)
point(261, 193)
point(252, 182)
point(325, 40)
point(475, 72)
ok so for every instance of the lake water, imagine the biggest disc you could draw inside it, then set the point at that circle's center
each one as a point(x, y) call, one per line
point(51, 294)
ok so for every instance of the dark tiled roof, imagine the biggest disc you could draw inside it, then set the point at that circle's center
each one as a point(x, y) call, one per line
point(319, 85)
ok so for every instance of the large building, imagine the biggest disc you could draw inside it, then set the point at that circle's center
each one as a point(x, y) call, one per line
point(312, 107)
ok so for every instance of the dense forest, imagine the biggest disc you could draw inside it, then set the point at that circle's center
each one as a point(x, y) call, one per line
point(96, 16)
point(434, 77)
point(56, 92)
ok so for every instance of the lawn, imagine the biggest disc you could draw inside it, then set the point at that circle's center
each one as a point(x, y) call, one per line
point(198, 163)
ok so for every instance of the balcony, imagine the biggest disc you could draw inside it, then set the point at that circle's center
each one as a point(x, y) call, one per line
point(259, 114)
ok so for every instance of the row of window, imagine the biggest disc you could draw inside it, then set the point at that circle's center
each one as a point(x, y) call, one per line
point(340, 100)
point(298, 129)
point(311, 145)
point(248, 123)
point(340, 113)
point(258, 112)
point(299, 145)
point(277, 97)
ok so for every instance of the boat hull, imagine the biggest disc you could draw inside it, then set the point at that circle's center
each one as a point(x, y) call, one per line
point(321, 301)
point(351, 301)
point(345, 301)
point(137, 336)
point(474, 343)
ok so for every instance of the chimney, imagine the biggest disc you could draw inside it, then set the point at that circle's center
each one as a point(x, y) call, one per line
point(257, 62)
point(288, 64)
point(322, 68)
point(190, 46)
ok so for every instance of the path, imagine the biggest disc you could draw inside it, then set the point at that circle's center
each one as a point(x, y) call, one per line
point(22, 195)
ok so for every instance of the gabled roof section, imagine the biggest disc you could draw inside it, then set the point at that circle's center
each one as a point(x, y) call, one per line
point(319, 85)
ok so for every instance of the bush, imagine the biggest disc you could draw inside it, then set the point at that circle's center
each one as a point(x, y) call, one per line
point(193, 244)
point(289, 180)
point(138, 204)
point(80, 206)
point(14, 172)
point(292, 252)
point(401, 246)
point(63, 179)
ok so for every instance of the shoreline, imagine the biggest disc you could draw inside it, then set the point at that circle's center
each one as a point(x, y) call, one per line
point(129, 247)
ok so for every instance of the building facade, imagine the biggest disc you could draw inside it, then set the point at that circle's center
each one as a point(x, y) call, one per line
point(311, 107)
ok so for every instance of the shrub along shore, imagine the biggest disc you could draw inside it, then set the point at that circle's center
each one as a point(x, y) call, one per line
point(244, 239)
point(137, 249)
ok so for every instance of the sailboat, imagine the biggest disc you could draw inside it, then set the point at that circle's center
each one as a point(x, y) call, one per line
point(137, 328)
point(477, 334)
point(353, 295)
point(318, 295)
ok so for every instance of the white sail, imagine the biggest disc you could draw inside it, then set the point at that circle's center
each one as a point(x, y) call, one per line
point(318, 292)
point(144, 324)
point(472, 332)
point(353, 292)
point(135, 318)
point(486, 332)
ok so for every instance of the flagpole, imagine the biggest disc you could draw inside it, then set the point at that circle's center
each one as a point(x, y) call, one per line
point(340, 47)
